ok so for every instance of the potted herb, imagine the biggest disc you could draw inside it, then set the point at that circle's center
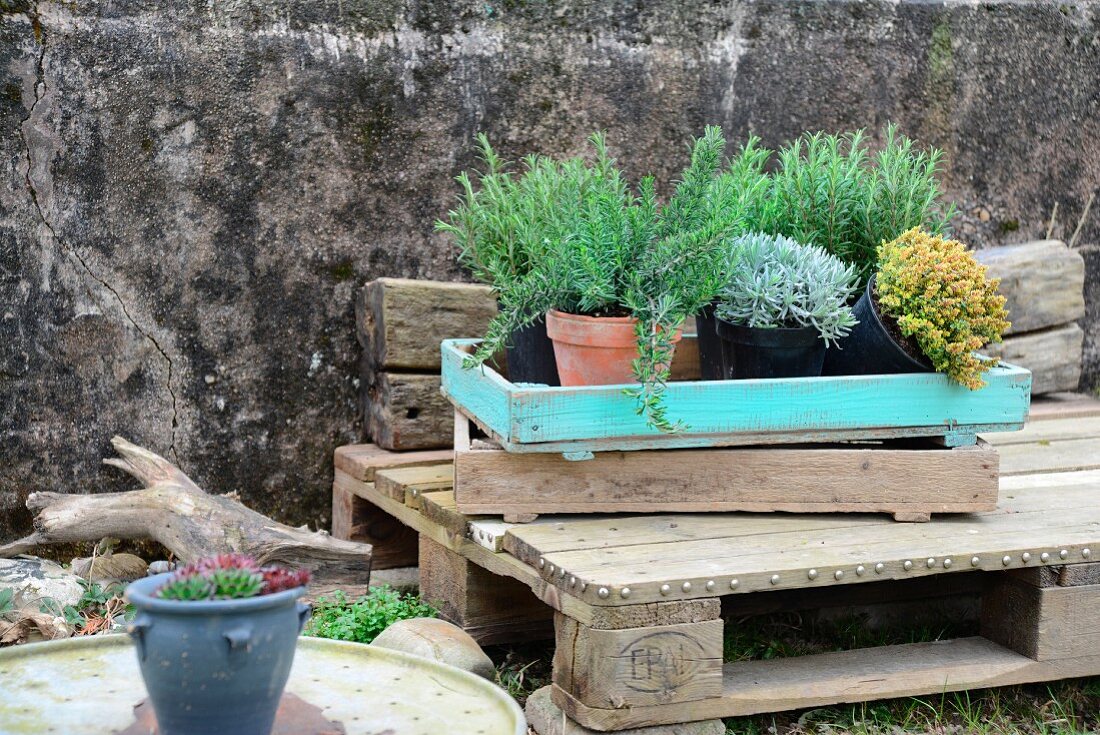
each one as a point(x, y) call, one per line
point(619, 272)
point(501, 227)
point(929, 307)
point(784, 302)
point(215, 641)
point(827, 190)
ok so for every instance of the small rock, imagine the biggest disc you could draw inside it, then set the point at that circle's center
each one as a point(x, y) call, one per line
point(210, 379)
point(160, 567)
point(111, 567)
point(440, 641)
point(32, 577)
point(983, 214)
point(546, 719)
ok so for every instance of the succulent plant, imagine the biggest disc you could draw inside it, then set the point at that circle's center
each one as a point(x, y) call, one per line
point(229, 577)
point(775, 282)
point(940, 297)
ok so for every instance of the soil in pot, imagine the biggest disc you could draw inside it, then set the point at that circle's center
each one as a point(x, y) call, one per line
point(215, 666)
point(752, 352)
point(875, 346)
point(531, 356)
point(711, 366)
point(594, 350)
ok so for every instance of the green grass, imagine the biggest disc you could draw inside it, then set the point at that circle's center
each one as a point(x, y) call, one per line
point(791, 634)
point(1060, 708)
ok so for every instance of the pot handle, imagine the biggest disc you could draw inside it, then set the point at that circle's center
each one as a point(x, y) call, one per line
point(304, 613)
point(137, 629)
point(239, 638)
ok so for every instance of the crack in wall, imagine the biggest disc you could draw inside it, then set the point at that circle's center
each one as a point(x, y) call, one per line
point(39, 92)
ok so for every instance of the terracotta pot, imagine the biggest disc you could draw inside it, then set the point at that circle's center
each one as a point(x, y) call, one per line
point(594, 350)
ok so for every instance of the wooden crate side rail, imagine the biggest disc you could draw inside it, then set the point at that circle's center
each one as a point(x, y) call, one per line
point(728, 412)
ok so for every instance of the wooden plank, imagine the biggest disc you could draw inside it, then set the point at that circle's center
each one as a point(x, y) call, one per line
point(797, 480)
point(361, 461)
point(491, 609)
point(404, 411)
point(1043, 283)
point(634, 667)
point(1055, 429)
point(397, 482)
point(355, 519)
point(721, 413)
point(1063, 406)
point(1030, 521)
point(1038, 457)
point(753, 687)
point(400, 322)
point(1042, 623)
point(1053, 356)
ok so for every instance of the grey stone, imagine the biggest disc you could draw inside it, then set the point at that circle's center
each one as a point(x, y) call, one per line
point(193, 193)
point(32, 578)
point(546, 719)
point(402, 579)
point(440, 641)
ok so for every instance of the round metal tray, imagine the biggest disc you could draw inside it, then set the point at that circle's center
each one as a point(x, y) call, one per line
point(89, 686)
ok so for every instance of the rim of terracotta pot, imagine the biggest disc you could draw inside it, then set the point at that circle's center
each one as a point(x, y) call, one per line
point(142, 594)
point(594, 331)
point(591, 331)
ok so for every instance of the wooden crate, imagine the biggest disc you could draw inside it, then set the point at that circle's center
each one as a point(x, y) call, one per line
point(910, 480)
point(582, 420)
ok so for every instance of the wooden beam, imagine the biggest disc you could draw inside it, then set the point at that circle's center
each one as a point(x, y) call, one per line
point(631, 667)
point(1053, 356)
point(406, 411)
point(1042, 623)
point(1042, 282)
point(492, 609)
point(400, 322)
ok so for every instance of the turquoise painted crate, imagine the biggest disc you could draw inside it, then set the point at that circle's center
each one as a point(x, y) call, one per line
point(574, 421)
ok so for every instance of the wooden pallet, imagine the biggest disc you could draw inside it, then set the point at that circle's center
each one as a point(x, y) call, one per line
point(635, 599)
point(578, 421)
point(909, 480)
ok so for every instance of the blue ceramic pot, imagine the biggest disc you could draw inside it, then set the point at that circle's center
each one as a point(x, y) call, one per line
point(217, 666)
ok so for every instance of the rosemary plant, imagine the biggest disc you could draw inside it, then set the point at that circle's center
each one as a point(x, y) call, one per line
point(577, 238)
point(829, 192)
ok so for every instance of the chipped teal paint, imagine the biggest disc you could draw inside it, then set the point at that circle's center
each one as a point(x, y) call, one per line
point(728, 413)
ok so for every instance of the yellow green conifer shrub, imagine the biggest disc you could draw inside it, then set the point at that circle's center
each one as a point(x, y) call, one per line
point(940, 296)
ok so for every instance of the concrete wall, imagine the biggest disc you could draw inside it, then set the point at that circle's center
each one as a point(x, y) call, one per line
point(191, 192)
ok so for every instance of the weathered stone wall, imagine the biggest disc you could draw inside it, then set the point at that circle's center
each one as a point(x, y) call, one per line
point(191, 192)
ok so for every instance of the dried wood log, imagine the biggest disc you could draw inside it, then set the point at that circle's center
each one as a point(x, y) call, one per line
point(172, 510)
point(405, 411)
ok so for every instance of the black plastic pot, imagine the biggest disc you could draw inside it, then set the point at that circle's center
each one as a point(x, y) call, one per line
point(531, 356)
point(751, 352)
point(710, 346)
point(870, 349)
point(217, 666)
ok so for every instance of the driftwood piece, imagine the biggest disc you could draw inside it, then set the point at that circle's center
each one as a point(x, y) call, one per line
point(172, 510)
